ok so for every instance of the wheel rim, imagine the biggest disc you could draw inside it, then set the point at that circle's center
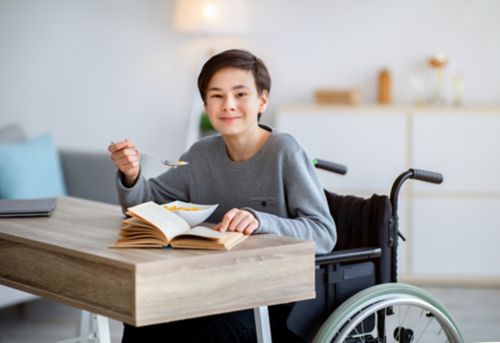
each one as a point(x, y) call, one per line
point(400, 300)
point(347, 310)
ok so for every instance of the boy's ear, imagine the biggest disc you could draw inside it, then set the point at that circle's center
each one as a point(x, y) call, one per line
point(264, 100)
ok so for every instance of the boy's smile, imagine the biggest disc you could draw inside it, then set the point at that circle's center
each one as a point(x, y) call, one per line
point(229, 119)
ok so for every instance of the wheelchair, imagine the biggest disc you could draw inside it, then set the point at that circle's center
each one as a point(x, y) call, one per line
point(358, 298)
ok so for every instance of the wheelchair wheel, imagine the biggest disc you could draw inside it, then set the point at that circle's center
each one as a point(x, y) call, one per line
point(402, 313)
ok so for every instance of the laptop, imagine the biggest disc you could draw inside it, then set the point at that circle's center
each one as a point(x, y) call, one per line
point(27, 207)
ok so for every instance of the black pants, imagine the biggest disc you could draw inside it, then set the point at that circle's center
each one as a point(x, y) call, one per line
point(237, 327)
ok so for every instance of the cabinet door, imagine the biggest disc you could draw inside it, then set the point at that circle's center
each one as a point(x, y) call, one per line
point(371, 145)
point(465, 147)
point(456, 237)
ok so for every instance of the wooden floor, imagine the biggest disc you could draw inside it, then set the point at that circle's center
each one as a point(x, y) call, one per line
point(477, 312)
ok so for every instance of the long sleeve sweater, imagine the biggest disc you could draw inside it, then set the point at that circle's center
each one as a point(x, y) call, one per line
point(278, 185)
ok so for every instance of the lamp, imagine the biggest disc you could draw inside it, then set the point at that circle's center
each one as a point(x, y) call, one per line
point(209, 18)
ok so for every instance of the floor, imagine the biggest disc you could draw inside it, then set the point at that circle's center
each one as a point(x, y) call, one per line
point(477, 312)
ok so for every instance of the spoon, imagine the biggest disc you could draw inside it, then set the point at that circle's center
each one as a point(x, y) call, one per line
point(174, 164)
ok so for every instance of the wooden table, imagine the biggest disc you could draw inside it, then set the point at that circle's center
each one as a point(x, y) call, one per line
point(66, 258)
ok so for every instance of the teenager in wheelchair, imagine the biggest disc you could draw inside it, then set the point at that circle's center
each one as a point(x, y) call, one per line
point(358, 298)
point(264, 182)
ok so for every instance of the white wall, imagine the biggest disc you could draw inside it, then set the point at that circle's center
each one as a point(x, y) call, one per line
point(91, 71)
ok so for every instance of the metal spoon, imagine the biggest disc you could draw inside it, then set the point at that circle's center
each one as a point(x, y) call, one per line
point(173, 164)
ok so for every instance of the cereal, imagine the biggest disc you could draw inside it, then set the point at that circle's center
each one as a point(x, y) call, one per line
point(179, 208)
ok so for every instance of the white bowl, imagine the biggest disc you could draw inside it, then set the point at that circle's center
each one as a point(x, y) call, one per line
point(193, 217)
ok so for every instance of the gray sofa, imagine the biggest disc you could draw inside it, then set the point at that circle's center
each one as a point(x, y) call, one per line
point(87, 175)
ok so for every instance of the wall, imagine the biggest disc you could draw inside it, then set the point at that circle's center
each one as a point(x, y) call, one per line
point(92, 71)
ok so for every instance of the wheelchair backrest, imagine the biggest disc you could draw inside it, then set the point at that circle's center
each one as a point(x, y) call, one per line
point(364, 222)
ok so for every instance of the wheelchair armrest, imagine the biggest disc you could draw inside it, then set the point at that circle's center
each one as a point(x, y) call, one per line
point(348, 255)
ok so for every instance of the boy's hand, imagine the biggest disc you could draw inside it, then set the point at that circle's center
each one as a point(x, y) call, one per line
point(238, 220)
point(127, 159)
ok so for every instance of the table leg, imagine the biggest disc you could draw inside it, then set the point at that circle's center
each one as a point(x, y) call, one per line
point(101, 327)
point(262, 325)
point(98, 334)
point(84, 327)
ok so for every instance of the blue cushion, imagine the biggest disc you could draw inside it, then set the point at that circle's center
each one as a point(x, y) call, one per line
point(30, 169)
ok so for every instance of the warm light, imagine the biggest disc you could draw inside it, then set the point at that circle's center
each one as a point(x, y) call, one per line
point(209, 11)
point(210, 16)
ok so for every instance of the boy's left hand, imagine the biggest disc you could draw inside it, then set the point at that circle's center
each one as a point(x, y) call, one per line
point(239, 221)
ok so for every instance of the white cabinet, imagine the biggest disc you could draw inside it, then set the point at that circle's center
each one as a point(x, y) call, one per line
point(456, 236)
point(357, 140)
point(452, 228)
point(464, 146)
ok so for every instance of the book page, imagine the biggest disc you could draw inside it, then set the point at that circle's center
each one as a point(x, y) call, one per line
point(206, 232)
point(166, 221)
point(205, 238)
point(134, 222)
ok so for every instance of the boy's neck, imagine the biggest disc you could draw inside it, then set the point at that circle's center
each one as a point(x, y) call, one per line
point(244, 146)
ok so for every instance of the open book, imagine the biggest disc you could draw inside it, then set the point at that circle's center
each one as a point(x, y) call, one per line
point(154, 226)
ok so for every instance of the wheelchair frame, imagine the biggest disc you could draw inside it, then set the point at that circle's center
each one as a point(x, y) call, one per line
point(376, 292)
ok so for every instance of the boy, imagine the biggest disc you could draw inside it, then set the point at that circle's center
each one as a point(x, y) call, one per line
point(262, 180)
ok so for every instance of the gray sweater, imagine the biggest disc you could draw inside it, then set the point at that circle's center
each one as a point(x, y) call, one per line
point(278, 185)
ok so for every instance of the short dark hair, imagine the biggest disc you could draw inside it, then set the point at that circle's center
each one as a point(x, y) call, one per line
point(234, 58)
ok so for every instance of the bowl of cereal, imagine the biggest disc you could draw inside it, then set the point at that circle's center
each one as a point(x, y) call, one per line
point(193, 214)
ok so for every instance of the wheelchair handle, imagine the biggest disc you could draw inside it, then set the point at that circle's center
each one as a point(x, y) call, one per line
point(330, 166)
point(417, 174)
point(427, 176)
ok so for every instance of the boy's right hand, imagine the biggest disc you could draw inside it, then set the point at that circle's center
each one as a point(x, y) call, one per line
point(127, 159)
